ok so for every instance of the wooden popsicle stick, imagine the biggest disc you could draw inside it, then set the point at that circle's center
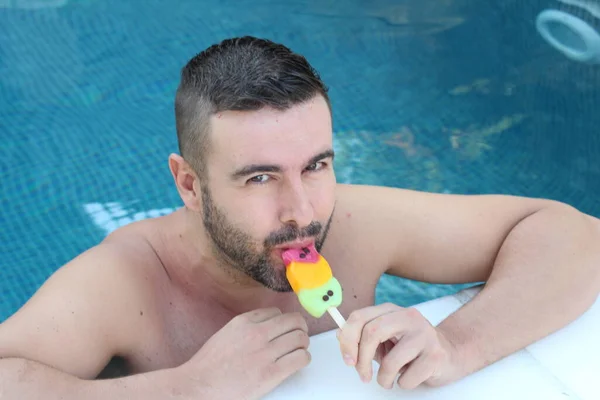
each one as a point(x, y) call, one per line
point(337, 317)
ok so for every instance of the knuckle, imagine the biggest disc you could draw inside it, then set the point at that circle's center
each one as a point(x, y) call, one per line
point(274, 310)
point(304, 324)
point(254, 314)
point(413, 314)
point(373, 327)
point(437, 355)
point(293, 320)
point(370, 330)
point(262, 313)
point(304, 340)
point(298, 333)
point(269, 312)
point(240, 319)
point(258, 334)
point(354, 317)
point(299, 321)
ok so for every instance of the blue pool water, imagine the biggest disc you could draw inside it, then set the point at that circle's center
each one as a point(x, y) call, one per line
point(448, 96)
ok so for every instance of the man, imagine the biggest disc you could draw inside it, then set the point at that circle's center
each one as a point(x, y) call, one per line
point(196, 304)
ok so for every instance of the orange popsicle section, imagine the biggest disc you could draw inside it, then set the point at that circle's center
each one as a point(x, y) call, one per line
point(308, 275)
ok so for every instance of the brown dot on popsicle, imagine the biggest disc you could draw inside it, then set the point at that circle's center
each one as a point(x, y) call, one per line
point(330, 293)
point(325, 298)
point(302, 255)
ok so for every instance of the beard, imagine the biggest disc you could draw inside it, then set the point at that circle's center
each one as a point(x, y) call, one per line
point(236, 248)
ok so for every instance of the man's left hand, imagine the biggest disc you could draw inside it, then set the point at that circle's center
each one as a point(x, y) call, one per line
point(402, 341)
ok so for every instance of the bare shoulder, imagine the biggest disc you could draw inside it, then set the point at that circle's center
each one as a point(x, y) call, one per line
point(89, 310)
point(381, 207)
point(369, 195)
point(433, 237)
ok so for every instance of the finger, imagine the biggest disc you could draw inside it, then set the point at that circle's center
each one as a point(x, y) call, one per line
point(283, 368)
point(385, 348)
point(288, 343)
point(290, 363)
point(350, 335)
point(374, 333)
point(417, 372)
point(405, 351)
point(404, 368)
point(262, 314)
point(284, 323)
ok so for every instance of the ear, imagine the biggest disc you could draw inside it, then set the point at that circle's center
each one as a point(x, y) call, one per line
point(186, 181)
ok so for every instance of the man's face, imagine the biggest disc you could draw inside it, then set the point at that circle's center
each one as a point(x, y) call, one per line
point(271, 185)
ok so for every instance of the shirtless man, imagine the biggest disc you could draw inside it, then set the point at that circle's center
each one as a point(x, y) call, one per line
point(195, 305)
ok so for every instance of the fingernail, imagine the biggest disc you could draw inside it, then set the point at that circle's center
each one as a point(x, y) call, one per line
point(348, 360)
point(365, 378)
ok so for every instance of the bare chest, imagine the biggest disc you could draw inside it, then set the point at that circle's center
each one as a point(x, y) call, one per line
point(183, 327)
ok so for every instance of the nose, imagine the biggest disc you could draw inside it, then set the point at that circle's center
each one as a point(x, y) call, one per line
point(296, 207)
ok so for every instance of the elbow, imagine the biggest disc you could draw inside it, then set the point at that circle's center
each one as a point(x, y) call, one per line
point(571, 241)
point(581, 234)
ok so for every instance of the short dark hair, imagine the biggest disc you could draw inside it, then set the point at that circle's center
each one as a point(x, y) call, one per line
point(238, 74)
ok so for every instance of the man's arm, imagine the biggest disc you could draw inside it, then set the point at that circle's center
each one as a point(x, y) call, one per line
point(540, 259)
point(85, 313)
point(545, 275)
point(24, 379)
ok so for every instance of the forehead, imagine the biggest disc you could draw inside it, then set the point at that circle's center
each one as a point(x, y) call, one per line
point(283, 137)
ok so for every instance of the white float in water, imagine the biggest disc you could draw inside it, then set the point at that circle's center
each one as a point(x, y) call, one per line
point(570, 35)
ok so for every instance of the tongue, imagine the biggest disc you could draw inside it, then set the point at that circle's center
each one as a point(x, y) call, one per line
point(306, 254)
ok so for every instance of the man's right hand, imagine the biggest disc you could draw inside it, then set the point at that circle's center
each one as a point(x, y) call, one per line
point(251, 355)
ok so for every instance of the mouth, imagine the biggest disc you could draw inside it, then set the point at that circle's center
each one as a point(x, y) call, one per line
point(297, 244)
point(282, 254)
point(300, 251)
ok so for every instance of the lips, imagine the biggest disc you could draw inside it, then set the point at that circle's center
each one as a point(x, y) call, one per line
point(303, 254)
point(297, 244)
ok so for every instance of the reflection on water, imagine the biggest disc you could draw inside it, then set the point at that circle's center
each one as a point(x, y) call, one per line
point(405, 18)
point(471, 142)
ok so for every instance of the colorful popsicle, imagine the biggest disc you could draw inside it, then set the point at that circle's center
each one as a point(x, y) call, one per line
point(311, 279)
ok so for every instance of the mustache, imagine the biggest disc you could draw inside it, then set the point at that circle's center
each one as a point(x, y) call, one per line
point(289, 233)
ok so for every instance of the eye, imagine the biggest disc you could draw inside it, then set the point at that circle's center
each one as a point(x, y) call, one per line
point(316, 166)
point(259, 179)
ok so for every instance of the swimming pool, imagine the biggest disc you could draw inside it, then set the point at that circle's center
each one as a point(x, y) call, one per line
point(446, 96)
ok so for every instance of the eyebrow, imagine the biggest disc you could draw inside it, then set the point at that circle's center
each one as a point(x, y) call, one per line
point(255, 168)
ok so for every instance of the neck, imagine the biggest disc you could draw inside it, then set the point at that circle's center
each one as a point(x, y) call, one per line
point(204, 277)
